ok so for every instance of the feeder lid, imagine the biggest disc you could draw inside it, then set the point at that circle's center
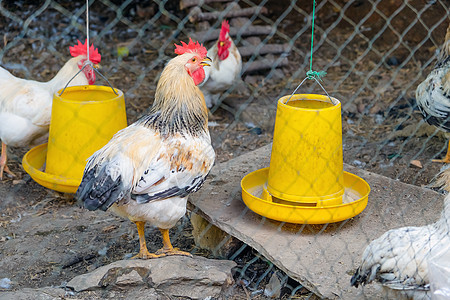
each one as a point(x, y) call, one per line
point(354, 201)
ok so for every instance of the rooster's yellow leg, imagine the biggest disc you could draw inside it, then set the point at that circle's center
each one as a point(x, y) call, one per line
point(3, 166)
point(143, 251)
point(167, 248)
point(446, 159)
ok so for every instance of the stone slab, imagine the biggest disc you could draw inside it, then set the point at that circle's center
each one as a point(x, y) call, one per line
point(178, 276)
point(321, 257)
point(46, 293)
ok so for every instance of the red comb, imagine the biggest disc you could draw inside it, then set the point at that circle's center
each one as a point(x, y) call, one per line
point(81, 49)
point(192, 47)
point(224, 30)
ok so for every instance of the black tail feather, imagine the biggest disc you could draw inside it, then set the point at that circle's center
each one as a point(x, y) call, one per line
point(358, 278)
point(362, 277)
point(98, 191)
point(86, 184)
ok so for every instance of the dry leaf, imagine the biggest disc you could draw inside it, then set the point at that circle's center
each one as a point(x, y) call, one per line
point(416, 163)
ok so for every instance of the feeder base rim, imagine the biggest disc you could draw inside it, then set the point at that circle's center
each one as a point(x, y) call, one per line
point(252, 187)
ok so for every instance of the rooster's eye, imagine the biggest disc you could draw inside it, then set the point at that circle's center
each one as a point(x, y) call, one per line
point(194, 60)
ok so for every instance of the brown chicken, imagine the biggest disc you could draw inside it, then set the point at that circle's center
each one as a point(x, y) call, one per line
point(147, 170)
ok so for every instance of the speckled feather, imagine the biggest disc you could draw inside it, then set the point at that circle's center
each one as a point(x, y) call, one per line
point(433, 94)
point(145, 167)
point(398, 259)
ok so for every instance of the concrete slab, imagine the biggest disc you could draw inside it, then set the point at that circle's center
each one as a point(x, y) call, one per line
point(321, 257)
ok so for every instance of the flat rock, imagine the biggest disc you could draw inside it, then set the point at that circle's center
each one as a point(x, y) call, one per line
point(321, 257)
point(177, 276)
point(46, 293)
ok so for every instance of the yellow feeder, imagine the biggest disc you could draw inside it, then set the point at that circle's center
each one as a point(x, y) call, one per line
point(84, 119)
point(306, 182)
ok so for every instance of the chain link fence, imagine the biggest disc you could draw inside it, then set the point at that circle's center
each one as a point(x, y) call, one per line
point(374, 53)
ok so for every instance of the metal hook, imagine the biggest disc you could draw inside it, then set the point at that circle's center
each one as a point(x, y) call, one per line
point(303, 82)
point(98, 72)
point(67, 84)
point(85, 64)
point(296, 89)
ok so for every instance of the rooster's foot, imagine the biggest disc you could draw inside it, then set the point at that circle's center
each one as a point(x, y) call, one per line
point(173, 251)
point(6, 170)
point(445, 160)
point(145, 255)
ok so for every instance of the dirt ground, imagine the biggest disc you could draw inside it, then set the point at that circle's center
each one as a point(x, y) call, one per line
point(46, 239)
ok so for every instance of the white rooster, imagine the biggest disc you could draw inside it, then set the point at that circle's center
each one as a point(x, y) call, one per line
point(398, 259)
point(26, 105)
point(433, 94)
point(147, 170)
point(225, 69)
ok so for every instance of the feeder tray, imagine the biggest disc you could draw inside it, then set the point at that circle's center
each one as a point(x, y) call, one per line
point(33, 162)
point(354, 201)
point(83, 120)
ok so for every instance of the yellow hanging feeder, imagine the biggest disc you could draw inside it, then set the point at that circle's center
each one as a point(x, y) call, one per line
point(84, 119)
point(305, 182)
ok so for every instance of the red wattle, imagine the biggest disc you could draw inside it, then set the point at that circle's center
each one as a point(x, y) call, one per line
point(198, 76)
point(223, 53)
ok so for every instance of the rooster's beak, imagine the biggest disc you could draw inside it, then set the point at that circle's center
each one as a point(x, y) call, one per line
point(96, 66)
point(206, 61)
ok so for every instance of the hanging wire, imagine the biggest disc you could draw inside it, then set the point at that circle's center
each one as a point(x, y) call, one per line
point(317, 80)
point(87, 28)
point(67, 84)
point(88, 62)
point(84, 66)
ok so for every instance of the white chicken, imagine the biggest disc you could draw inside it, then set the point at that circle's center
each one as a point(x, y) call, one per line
point(147, 170)
point(225, 69)
point(433, 94)
point(398, 259)
point(26, 105)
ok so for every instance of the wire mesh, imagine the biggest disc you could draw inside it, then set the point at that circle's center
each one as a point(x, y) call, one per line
point(375, 54)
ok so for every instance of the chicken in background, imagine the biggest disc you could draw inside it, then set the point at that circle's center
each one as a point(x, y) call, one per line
point(26, 105)
point(398, 259)
point(433, 94)
point(225, 69)
point(147, 170)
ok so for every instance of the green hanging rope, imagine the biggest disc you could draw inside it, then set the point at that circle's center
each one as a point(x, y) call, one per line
point(313, 74)
point(316, 75)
